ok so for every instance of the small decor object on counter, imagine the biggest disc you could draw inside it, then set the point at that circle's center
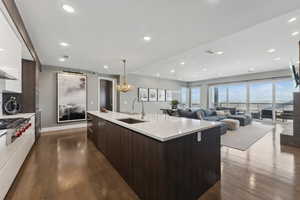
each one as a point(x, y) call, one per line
point(143, 94)
point(169, 96)
point(174, 104)
point(102, 109)
point(161, 95)
point(152, 94)
point(71, 97)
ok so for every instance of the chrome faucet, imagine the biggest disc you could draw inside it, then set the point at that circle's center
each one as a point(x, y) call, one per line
point(133, 103)
point(143, 110)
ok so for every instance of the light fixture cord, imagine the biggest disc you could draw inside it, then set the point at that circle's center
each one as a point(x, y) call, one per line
point(125, 79)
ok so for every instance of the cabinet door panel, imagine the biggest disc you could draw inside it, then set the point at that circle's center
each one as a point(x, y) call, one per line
point(126, 155)
point(113, 144)
point(101, 136)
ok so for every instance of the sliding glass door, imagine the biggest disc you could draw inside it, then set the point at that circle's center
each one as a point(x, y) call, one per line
point(255, 96)
point(260, 95)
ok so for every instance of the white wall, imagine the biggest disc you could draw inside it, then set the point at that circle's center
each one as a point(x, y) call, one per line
point(138, 81)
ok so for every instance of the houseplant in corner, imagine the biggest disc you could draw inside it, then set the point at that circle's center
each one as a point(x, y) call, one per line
point(174, 104)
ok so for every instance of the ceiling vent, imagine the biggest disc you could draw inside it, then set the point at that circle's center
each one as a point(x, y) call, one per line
point(210, 52)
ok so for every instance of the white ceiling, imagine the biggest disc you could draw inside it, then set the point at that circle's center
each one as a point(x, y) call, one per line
point(102, 32)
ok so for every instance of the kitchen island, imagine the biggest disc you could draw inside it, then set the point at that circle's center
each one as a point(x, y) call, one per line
point(160, 157)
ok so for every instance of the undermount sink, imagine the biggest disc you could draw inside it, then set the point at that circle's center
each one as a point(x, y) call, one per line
point(131, 121)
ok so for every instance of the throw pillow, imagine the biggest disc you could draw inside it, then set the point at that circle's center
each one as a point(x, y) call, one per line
point(227, 112)
point(220, 113)
point(200, 114)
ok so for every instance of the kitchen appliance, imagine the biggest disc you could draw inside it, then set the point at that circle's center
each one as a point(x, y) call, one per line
point(15, 127)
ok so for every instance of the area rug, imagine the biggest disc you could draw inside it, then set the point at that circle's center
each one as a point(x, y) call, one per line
point(245, 136)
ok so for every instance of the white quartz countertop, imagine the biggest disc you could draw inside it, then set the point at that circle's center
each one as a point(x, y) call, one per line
point(20, 115)
point(158, 126)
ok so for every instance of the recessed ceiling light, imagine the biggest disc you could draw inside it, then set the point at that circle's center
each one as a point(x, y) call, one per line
point(1, 49)
point(295, 33)
point(271, 50)
point(182, 63)
point(147, 38)
point(158, 74)
point(68, 8)
point(292, 19)
point(251, 69)
point(172, 71)
point(62, 59)
point(277, 59)
point(219, 52)
point(64, 44)
point(204, 69)
point(105, 67)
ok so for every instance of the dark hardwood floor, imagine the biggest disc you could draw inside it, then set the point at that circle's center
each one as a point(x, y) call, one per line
point(66, 166)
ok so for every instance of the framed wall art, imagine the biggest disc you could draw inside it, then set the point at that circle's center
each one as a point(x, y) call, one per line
point(161, 95)
point(143, 94)
point(71, 97)
point(152, 94)
point(169, 95)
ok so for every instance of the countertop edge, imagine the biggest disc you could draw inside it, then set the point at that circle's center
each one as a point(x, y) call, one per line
point(125, 125)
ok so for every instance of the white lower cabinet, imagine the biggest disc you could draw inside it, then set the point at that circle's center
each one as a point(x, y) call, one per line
point(17, 152)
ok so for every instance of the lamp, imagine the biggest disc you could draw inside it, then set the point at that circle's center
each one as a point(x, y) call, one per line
point(124, 86)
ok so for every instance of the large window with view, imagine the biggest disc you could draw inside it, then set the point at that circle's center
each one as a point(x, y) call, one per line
point(261, 95)
point(284, 94)
point(195, 97)
point(237, 96)
point(184, 96)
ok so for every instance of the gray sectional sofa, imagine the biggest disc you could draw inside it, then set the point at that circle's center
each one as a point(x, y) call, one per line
point(211, 115)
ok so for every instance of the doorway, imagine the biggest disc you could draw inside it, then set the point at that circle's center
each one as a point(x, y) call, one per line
point(106, 97)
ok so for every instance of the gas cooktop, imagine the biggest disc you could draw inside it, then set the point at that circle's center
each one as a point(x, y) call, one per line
point(9, 123)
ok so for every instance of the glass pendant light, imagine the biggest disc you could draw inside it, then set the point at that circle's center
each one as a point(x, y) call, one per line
point(124, 86)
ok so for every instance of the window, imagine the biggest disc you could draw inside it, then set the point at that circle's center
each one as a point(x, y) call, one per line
point(184, 96)
point(261, 95)
point(267, 94)
point(237, 96)
point(222, 94)
point(195, 96)
point(284, 94)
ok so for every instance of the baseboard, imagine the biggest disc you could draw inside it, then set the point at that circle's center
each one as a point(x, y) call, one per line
point(59, 128)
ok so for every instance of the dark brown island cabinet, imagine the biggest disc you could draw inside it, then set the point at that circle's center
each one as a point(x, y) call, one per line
point(178, 169)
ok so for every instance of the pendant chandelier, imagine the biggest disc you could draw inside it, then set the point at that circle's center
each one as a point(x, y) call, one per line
point(124, 86)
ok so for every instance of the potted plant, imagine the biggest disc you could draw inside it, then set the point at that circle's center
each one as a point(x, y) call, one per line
point(174, 104)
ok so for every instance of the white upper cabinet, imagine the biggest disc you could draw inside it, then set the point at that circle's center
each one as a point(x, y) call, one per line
point(10, 56)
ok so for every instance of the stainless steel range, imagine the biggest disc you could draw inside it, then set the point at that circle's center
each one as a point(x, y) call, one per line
point(13, 128)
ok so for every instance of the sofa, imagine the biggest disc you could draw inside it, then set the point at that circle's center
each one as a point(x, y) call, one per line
point(244, 119)
point(201, 114)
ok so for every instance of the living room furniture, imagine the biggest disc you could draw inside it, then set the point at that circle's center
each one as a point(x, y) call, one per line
point(232, 124)
point(244, 119)
point(256, 114)
point(267, 113)
point(171, 112)
point(201, 114)
point(285, 115)
point(231, 110)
